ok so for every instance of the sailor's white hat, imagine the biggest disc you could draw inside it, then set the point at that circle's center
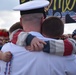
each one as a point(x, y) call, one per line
point(34, 6)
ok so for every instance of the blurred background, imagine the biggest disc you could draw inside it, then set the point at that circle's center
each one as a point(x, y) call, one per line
point(8, 16)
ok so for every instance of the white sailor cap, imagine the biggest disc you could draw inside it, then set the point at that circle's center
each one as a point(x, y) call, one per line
point(34, 6)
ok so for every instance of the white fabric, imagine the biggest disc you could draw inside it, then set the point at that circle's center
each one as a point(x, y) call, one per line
point(32, 5)
point(37, 63)
point(20, 39)
point(60, 47)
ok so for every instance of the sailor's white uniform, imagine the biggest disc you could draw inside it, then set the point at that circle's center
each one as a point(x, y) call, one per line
point(38, 63)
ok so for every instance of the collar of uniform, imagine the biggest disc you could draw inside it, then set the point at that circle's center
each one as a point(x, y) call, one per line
point(36, 33)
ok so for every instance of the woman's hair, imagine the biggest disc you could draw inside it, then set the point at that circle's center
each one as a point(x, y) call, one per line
point(15, 26)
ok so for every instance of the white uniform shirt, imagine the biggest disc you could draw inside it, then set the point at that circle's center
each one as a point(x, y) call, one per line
point(37, 63)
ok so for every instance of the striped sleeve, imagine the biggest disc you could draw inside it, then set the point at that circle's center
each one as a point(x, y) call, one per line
point(21, 38)
point(18, 37)
point(57, 47)
point(68, 47)
point(60, 47)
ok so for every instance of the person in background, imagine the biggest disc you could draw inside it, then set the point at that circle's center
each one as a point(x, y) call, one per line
point(14, 27)
point(70, 35)
point(74, 34)
point(4, 38)
point(65, 36)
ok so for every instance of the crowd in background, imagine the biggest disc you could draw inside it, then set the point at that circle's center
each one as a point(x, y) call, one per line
point(4, 37)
